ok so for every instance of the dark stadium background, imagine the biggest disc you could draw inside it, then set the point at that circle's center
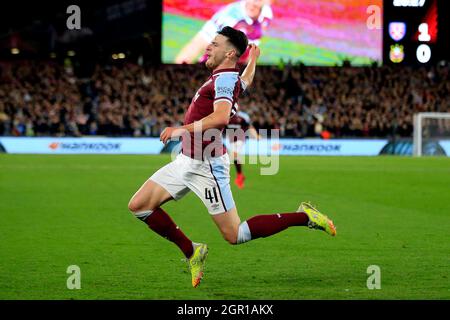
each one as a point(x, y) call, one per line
point(133, 26)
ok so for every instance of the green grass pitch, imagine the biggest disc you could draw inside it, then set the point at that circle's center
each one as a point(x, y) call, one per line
point(393, 212)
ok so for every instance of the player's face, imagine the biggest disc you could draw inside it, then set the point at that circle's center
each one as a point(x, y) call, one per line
point(216, 52)
point(253, 8)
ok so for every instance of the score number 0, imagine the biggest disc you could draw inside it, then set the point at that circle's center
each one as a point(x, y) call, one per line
point(423, 52)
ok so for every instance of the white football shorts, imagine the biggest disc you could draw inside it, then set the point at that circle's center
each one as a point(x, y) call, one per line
point(208, 179)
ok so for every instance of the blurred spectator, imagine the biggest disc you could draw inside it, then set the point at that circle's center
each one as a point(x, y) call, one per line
point(44, 99)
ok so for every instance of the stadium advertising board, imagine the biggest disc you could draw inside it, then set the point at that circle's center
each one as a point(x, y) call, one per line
point(82, 145)
point(291, 147)
point(316, 147)
point(445, 144)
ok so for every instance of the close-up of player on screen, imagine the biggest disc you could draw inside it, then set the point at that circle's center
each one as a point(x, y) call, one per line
point(203, 166)
point(252, 17)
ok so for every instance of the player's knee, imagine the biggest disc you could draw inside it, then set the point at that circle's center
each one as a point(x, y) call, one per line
point(137, 207)
point(134, 206)
point(138, 210)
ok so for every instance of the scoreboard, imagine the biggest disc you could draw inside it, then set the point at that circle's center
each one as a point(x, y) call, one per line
point(411, 32)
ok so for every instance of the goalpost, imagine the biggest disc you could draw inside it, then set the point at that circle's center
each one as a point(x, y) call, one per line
point(429, 127)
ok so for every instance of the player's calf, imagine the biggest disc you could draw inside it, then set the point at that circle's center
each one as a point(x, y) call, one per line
point(228, 224)
point(239, 233)
point(231, 236)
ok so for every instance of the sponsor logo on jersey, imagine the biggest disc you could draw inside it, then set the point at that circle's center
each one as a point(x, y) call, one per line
point(224, 91)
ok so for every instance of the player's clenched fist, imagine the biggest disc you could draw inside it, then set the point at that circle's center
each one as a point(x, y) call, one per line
point(254, 51)
point(171, 132)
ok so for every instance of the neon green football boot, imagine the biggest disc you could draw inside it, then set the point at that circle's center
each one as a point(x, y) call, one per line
point(197, 263)
point(317, 220)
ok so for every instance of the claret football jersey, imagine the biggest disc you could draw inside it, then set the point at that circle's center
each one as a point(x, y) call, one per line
point(222, 85)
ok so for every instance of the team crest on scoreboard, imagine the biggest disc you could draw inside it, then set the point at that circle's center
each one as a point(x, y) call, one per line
point(397, 53)
point(397, 30)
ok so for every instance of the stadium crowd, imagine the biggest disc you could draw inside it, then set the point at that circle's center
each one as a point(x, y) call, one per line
point(45, 98)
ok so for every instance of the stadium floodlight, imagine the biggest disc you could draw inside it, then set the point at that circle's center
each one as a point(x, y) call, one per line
point(429, 128)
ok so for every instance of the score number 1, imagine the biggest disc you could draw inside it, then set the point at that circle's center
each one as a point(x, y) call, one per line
point(423, 52)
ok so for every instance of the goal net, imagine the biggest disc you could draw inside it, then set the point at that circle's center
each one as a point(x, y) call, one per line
point(430, 129)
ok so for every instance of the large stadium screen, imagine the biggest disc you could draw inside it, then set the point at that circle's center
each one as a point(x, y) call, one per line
point(322, 32)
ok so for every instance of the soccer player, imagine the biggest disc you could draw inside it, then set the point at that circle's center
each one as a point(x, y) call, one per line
point(239, 124)
point(203, 164)
point(249, 16)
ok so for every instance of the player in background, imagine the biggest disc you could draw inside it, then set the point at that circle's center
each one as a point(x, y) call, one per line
point(249, 16)
point(203, 166)
point(239, 124)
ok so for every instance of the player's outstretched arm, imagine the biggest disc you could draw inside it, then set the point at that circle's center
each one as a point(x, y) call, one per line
point(249, 72)
point(191, 50)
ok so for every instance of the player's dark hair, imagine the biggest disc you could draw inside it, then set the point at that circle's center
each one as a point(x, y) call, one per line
point(237, 38)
